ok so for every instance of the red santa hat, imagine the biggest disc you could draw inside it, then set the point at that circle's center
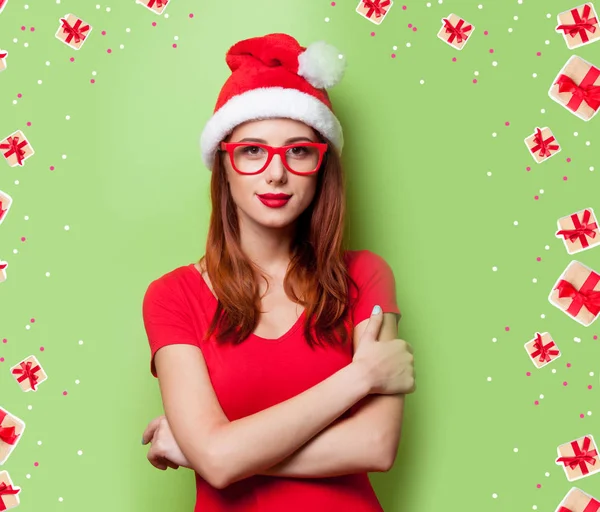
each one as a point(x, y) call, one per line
point(273, 76)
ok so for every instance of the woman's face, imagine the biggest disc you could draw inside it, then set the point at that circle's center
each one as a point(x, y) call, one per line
point(275, 178)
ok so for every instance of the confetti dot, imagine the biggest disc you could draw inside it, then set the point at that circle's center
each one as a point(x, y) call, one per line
point(507, 328)
point(539, 54)
point(174, 45)
point(528, 374)
point(565, 383)
point(568, 365)
point(565, 178)
point(582, 416)
point(485, 33)
point(453, 59)
point(538, 259)
point(539, 486)
point(510, 30)
point(36, 464)
point(494, 269)
point(64, 393)
point(154, 23)
point(494, 63)
point(191, 15)
point(372, 34)
point(491, 50)
point(494, 495)
point(109, 51)
point(541, 397)
point(543, 111)
point(534, 280)
point(515, 450)
point(589, 386)
point(507, 123)
point(494, 340)
point(515, 18)
point(393, 55)
point(568, 160)
point(591, 374)
point(79, 452)
point(516, 223)
point(534, 75)
point(536, 403)
point(489, 379)
point(326, 20)
point(528, 169)
point(494, 134)
point(103, 32)
point(474, 80)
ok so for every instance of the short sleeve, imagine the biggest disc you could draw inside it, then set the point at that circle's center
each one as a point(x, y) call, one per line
point(166, 319)
point(376, 285)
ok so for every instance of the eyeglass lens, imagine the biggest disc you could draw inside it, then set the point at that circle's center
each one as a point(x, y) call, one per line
point(250, 158)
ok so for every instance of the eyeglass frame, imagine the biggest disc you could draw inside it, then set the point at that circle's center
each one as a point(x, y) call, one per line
point(276, 150)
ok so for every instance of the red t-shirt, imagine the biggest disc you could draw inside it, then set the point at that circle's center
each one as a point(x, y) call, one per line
point(260, 373)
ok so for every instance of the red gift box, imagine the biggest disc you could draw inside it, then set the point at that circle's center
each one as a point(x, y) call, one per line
point(542, 144)
point(3, 4)
point(542, 349)
point(455, 31)
point(16, 148)
point(29, 374)
point(3, 265)
point(3, 55)
point(9, 494)
point(156, 6)
point(11, 432)
point(579, 26)
point(579, 231)
point(578, 501)
point(5, 204)
point(374, 10)
point(579, 458)
point(577, 88)
point(73, 31)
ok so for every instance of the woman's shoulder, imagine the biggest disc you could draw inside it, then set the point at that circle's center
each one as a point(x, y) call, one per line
point(172, 278)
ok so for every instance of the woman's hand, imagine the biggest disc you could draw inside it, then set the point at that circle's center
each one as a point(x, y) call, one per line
point(164, 451)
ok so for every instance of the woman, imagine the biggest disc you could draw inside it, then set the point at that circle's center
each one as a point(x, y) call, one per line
point(280, 389)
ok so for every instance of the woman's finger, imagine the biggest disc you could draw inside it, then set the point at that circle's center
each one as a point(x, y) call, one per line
point(150, 429)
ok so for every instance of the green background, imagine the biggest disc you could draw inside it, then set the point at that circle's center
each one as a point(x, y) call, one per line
point(429, 188)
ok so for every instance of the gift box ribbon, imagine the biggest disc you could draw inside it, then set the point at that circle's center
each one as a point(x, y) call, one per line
point(7, 434)
point(6, 490)
point(459, 32)
point(543, 350)
point(14, 146)
point(585, 91)
point(159, 3)
point(583, 229)
point(583, 456)
point(375, 6)
point(76, 31)
point(582, 24)
point(543, 146)
point(2, 213)
point(27, 373)
point(3, 55)
point(585, 296)
point(592, 506)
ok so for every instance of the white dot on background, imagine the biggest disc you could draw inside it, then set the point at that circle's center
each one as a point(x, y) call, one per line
point(541, 191)
point(510, 29)
point(108, 9)
point(47, 63)
point(29, 407)
point(519, 2)
point(26, 45)
point(548, 15)
point(494, 63)
point(587, 142)
point(494, 495)
point(577, 340)
point(592, 168)
point(534, 507)
point(543, 111)
point(14, 102)
point(440, 2)
point(47, 274)
point(326, 20)
point(589, 413)
point(27, 327)
point(408, 45)
point(515, 450)
point(421, 82)
point(60, 499)
point(26, 217)
point(177, 37)
point(546, 473)
point(15, 40)
point(480, 6)
point(127, 30)
point(26, 6)
point(494, 340)
point(68, 117)
point(534, 280)
point(553, 370)
point(515, 18)
point(81, 342)
point(79, 452)
point(428, 4)
point(547, 247)
point(476, 73)
point(542, 315)
point(534, 75)
point(122, 46)
point(575, 134)
point(489, 173)
point(166, 15)
point(67, 228)
point(39, 443)
point(489, 379)
point(394, 48)
point(64, 157)
point(591, 374)
point(27, 475)
point(494, 269)
point(541, 397)
point(546, 41)
point(97, 6)
point(94, 73)
point(516, 223)
point(77, 381)
point(494, 134)
point(40, 82)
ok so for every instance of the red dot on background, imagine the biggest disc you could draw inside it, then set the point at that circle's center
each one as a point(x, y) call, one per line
point(393, 55)
point(568, 159)
point(4, 340)
point(474, 80)
point(589, 386)
point(565, 178)
point(19, 95)
point(22, 28)
point(372, 34)
point(536, 197)
point(595, 337)
point(539, 54)
point(507, 328)
point(332, 4)
point(568, 365)
point(42, 349)
point(507, 123)
point(51, 167)
point(72, 59)
point(192, 14)
point(409, 25)
point(453, 59)
point(36, 464)
point(65, 393)
point(536, 403)
point(1, 359)
point(92, 81)
point(109, 51)
point(565, 383)
point(22, 239)
point(174, 45)
point(414, 29)
point(538, 259)
point(28, 123)
point(32, 29)
point(154, 23)
point(581, 416)
point(404, 7)
point(104, 32)
point(485, 33)
point(528, 169)
point(491, 50)
point(32, 320)
point(539, 486)
point(528, 374)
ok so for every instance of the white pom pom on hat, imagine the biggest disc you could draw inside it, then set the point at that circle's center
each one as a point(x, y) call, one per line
point(273, 76)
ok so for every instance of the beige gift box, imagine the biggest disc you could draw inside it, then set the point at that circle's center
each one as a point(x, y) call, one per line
point(16, 148)
point(577, 293)
point(73, 31)
point(3, 55)
point(578, 501)
point(542, 144)
point(579, 26)
point(455, 31)
point(542, 349)
point(579, 458)
point(11, 432)
point(577, 88)
point(156, 6)
point(374, 10)
point(579, 231)
point(9, 494)
point(5, 204)
point(3, 265)
point(29, 374)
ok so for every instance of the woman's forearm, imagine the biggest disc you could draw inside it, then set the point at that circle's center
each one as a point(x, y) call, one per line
point(254, 443)
point(347, 446)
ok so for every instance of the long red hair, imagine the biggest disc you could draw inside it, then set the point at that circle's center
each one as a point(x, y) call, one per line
point(317, 265)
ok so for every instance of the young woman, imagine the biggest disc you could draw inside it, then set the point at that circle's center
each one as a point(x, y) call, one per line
point(281, 389)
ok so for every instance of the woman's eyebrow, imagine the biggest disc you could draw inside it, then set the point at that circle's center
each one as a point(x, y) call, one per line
point(288, 141)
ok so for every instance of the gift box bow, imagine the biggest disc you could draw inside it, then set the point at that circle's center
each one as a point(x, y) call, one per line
point(585, 296)
point(27, 372)
point(6, 490)
point(543, 146)
point(7, 434)
point(585, 91)
point(159, 3)
point(583, 24)
point(375, 6)
point(592, 506)
point(582, 457)
point(14, 146)
point(3, 54)
point(459, 32)
point(583, 229)
point(76, 31)
point(543, 350)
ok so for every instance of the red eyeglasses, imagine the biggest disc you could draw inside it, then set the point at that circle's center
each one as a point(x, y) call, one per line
point(302, 158)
